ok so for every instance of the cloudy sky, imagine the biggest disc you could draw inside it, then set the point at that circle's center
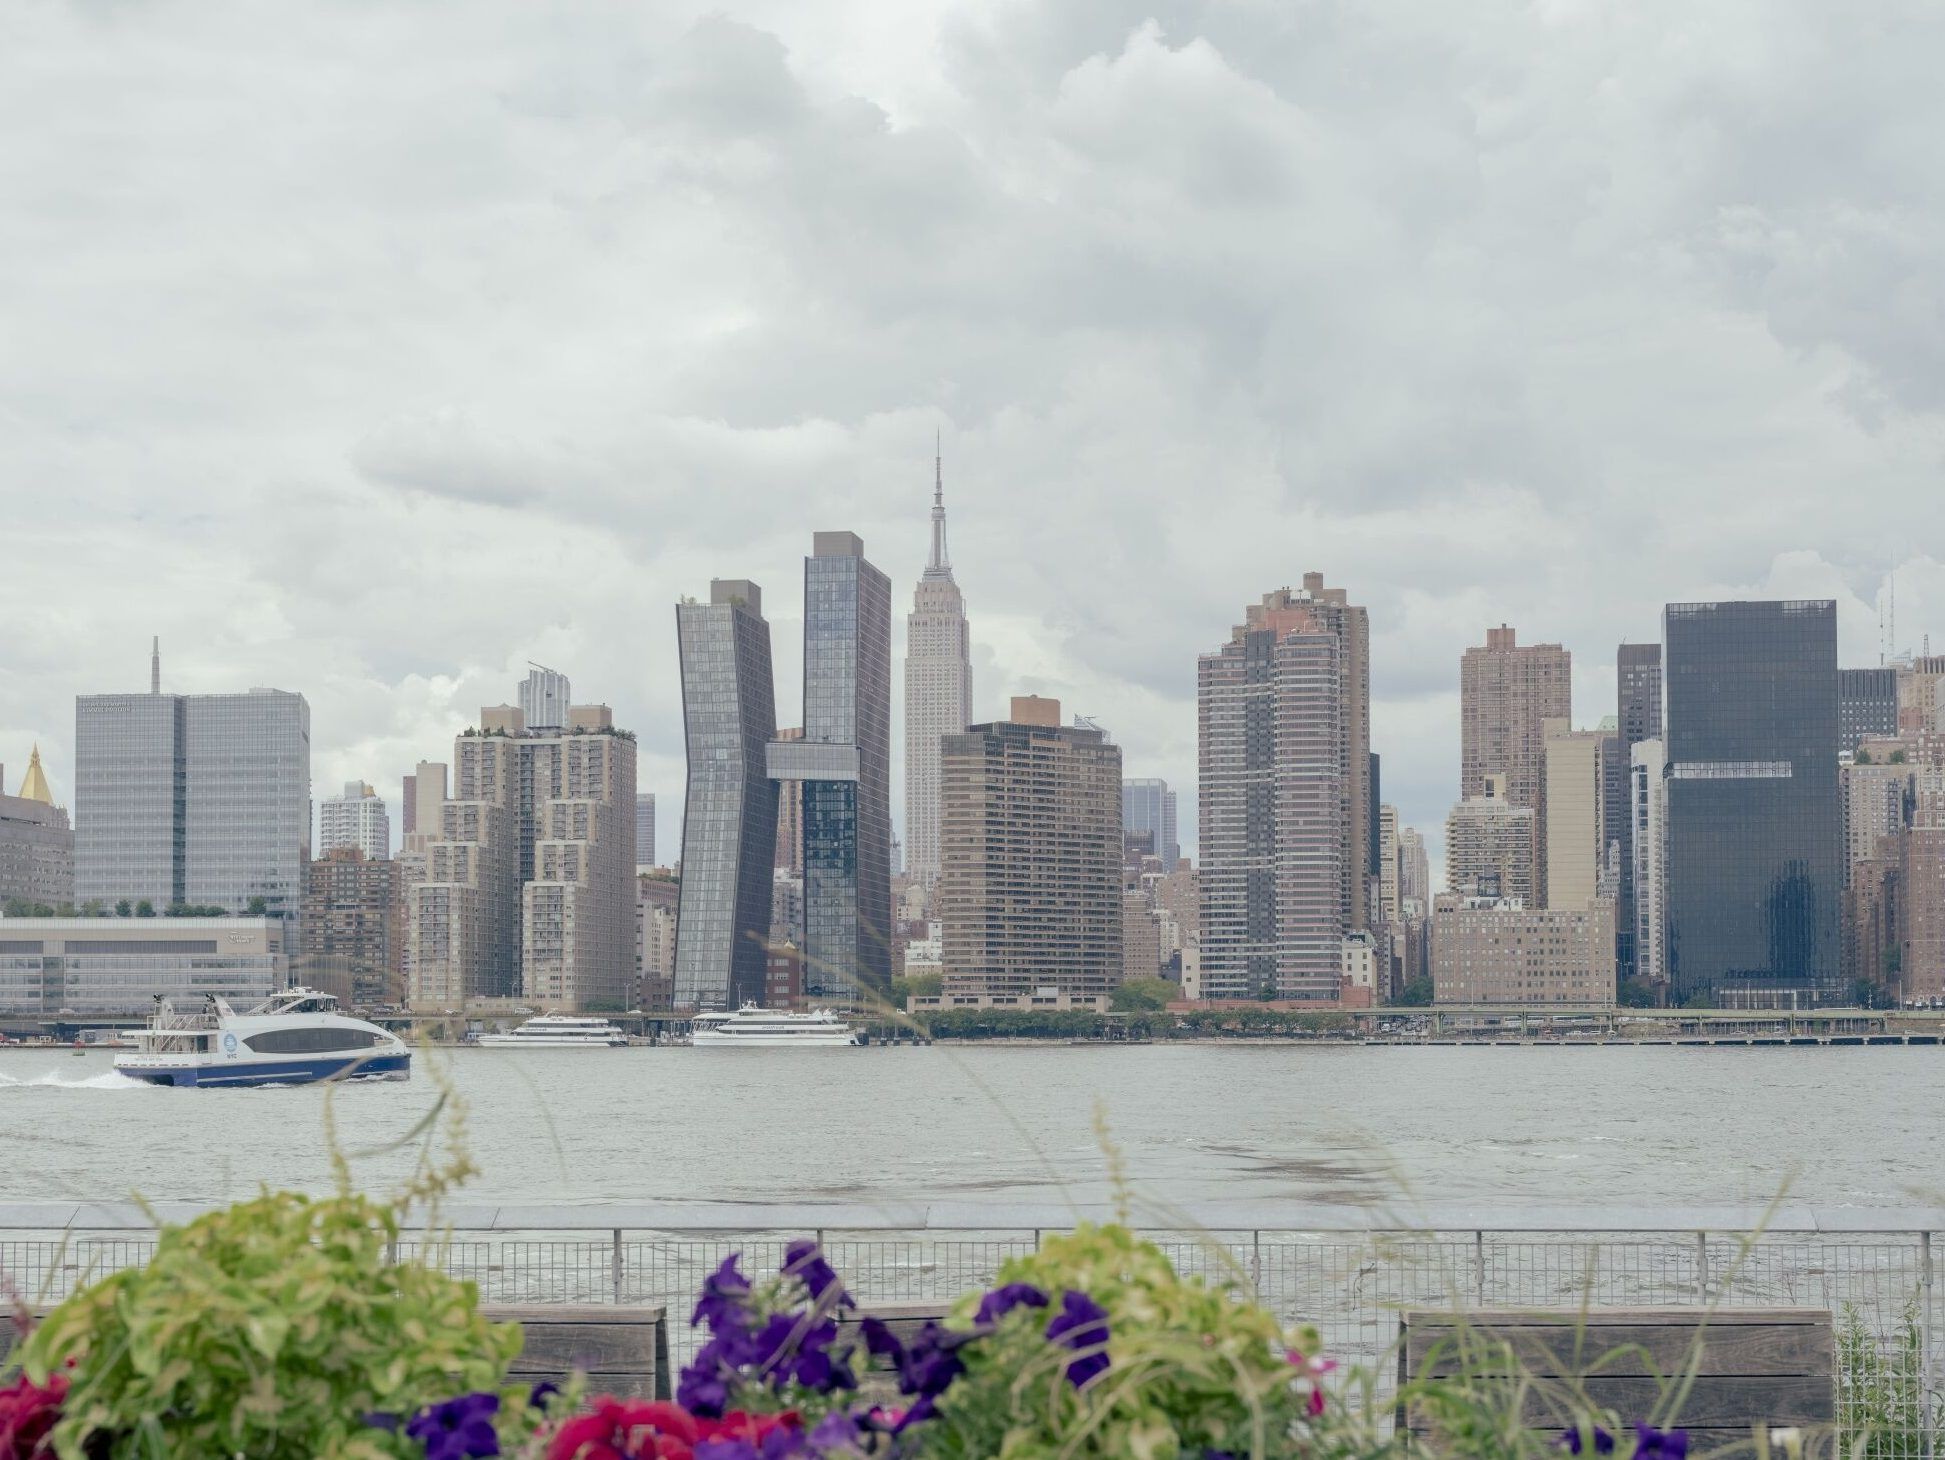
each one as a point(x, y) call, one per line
point(372, 349)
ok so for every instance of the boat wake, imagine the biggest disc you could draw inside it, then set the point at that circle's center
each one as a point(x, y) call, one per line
point(107, 1080)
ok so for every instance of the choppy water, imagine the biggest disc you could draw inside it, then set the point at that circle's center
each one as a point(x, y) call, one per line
point(1560, 1126)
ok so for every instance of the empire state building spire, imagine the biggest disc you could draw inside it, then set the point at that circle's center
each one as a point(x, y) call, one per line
point(939, 565)
point(938, 689)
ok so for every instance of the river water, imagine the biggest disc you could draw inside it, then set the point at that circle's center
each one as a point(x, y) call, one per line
point(1552, 1125)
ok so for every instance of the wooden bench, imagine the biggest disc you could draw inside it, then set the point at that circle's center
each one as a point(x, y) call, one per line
point(1773, 1366)
point(622, 1350)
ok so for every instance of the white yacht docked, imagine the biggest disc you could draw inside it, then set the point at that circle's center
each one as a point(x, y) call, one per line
point(559, 1031)
point(296, 1037)
point(753, 1027)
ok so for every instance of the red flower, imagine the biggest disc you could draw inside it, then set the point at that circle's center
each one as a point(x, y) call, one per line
point(737, 1425)
point(28, 1413)
point(626, 1429)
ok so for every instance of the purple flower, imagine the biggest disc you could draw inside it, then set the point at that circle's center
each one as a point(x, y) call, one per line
point(724, 1297)
point(1603, 1441)
point(1653, 1444)
point(458, 1429)
point(804, 1260)
point(1001, 1301)
point(704, 1386)
point(1081, 1325)
point(836, 1433)
point(880, 1342)
point(779, 1444)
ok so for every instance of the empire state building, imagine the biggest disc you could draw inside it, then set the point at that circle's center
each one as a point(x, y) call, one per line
point(938, 691)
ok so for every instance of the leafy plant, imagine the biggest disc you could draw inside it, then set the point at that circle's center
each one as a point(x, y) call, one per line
point(1123, 1357)
point(270, 1330)
point(278, 1329)
point(1882, 1388)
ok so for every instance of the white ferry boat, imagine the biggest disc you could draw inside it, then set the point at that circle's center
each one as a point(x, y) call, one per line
point(753, 1027)
point(558, 1031)
point(296, 1037)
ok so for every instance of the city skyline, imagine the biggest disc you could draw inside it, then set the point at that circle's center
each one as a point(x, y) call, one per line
point(1416, 791)
point(1193, 313)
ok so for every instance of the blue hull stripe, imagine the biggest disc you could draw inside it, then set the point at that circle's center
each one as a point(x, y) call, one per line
point(283, 1072)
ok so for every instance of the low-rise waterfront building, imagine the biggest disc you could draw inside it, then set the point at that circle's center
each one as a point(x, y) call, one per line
point(1494, 951)
point(116, 967)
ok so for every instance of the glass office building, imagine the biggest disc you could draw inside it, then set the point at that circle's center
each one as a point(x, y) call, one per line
point(1867, 704)
point(729, 816)
point(1754, 857)
point(203, 799)
point(1148, 810)
point(844, 763)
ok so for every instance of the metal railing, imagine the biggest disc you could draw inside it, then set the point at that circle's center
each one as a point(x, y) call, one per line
point(1348, 1271)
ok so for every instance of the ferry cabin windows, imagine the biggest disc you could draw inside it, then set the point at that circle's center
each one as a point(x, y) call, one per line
point(310, 1041)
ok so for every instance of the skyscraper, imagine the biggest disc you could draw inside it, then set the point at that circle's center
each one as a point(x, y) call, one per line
point(203, 799)
point(645, 829)
point(1576, 814)
point(1754, 848)
point(1148, 807)
point(1637, 678)
point(529, 884)
point(1271, 720)
point(351, 940)
point(1351, 627)
point(1867, 704)
point(1030, 892)
point(938, 691)
point(36, 843)
point(1507, 693)
point(1647, 846)
point(844, 763)
point(729, 816)
point(1387, 910)
point(1414, 873)
point(355, 819)
point(545, 695)
point(1489, 846)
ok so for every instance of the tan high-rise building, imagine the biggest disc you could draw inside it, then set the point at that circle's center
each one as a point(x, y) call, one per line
point(1507, 693)
point(1388, 867)
point(1414, 873)
point(36, 843)
point(1574, 801)
point(1921, 970)
point(1282, 877)
point(1141, 936)
point(350, 941)
point(1030, 882)
point(1351, 626)
point(938, 692)
point(1487, 951)
point(529, 888)
point(1489, 845)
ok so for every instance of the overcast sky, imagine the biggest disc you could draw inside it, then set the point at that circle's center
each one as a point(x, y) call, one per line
point(372, 349)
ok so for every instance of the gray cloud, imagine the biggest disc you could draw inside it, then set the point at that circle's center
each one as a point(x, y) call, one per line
point(372, 352)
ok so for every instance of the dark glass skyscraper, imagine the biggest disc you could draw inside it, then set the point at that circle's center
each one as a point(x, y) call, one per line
point(1867, 704)
point(1755, 845)
point(729, 817)
point(844, 763)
